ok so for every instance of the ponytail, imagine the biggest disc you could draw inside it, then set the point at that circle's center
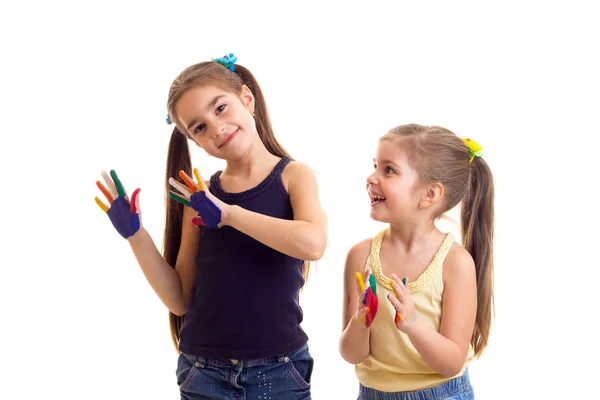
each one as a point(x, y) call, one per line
point(477, 225)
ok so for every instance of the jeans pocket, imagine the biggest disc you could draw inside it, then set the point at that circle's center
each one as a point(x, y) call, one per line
point(185, 371)
point(300, 365)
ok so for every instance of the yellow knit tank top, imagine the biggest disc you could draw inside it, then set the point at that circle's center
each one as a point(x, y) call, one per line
point(393, 364)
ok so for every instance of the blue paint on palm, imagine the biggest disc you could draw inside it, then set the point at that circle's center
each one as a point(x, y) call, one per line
point(125, 221)
point(209, 212)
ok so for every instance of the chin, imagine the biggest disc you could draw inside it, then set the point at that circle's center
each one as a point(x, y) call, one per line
point(375, 216)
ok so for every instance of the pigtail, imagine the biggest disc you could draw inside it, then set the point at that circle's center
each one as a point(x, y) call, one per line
point(477, 225)
point(178, 158)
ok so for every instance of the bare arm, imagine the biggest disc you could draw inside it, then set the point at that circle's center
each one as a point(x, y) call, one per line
point(446, 352)
point(304, 237)
point(172, 285)
point(354, 340)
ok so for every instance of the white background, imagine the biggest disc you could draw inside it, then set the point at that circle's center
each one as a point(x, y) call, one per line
point(84, 88)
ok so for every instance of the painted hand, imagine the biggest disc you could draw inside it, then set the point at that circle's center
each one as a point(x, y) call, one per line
point(124, 214)
point(201, 200)
point(369, 303)
point(403, 303)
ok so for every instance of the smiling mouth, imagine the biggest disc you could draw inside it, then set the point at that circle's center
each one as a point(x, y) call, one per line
point(376, 199)
point(229, 138)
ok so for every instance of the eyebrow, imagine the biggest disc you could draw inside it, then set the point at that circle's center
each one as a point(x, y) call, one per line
point(210, 105)
point(387, 162)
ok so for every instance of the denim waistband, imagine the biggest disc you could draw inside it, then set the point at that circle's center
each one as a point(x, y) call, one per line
point(460, 384)
point(200, 361)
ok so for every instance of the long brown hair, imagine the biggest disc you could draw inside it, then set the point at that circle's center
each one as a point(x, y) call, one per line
point(178, 157)
point(438, 155)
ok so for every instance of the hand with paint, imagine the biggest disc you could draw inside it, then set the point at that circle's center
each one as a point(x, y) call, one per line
point(369, 303)
point(403, 303)
point(124, 214)
point(201, 200)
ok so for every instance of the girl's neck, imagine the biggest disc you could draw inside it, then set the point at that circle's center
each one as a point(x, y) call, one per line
point(257, 160)
point(413, 238)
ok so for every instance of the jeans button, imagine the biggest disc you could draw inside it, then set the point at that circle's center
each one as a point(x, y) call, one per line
point(197, 364)
point(286, 359)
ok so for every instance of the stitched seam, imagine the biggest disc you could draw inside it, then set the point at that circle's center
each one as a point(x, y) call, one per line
point(189, 378)
point(423, 279)
point(297, 378)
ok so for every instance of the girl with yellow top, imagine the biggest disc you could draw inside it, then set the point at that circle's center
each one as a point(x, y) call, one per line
point(428, 308)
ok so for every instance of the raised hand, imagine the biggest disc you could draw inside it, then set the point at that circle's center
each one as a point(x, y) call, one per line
point(124, 214)
point(369, 303)
point(403, 303)
point(196, 196)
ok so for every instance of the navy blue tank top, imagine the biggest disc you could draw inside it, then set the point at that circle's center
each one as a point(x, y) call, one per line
point(244, 300)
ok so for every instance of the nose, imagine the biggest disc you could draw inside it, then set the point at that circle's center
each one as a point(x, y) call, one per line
point(219, 128)
point(372, 179)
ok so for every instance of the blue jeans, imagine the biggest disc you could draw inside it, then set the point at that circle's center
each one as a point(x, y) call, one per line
point(281, 377)
point(455, 389)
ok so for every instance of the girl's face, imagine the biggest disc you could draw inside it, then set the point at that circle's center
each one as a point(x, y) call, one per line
point(220, 122)
point(392, 186)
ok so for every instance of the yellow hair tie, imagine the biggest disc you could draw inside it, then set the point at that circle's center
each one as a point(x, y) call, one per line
point(474, 149)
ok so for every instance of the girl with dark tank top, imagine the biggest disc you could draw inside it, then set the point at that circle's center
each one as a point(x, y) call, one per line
point(236, 248)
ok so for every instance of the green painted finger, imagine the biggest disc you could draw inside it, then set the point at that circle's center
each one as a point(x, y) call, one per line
point(179, 199)
point(373, 284)
point(118, 184)
point(404, 281)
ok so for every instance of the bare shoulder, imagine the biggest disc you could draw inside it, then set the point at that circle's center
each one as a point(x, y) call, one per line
point(297, 172)
point(458, 265)
point(357, 256)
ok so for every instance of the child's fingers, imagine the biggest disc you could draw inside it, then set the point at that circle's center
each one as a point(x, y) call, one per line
point(361, 315)
point(135, 201)
point(110, 185)
point(184, 190)
point(361, 283)
point(105, 192)
point(373, 284)
point(118, 184)
point(398, 290)
point(398, 306)
point(197, 220)
point(103, 206)
point(363, 298)
point(398, 286)
point(188, 181)
point(179, 198)
point(199, 179)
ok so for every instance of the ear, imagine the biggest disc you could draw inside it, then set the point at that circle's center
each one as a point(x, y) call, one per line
point(432, 195)
point(247, 98)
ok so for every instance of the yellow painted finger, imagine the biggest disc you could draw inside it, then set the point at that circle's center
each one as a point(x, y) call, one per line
point(361, 283)
point(199, 179)
point(103, 206)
